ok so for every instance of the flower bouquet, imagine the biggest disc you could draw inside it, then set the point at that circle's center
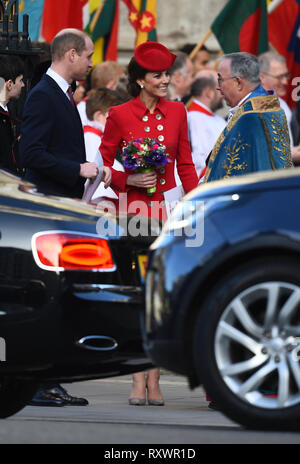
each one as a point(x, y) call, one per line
point(144, 155)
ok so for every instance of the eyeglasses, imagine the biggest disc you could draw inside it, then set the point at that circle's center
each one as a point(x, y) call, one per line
point(280, 76)
point(222, 79)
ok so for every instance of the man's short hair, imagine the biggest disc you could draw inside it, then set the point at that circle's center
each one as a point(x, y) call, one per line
point(11, 67)
point(65, 41)
point(180, 63)
point(265, 59)
point(244, 65)
point(200, 84)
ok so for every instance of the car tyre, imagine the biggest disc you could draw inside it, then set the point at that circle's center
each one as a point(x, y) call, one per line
point(242, 344)
point(15, 394)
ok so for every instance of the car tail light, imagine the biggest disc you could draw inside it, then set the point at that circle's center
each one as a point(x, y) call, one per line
point(69, 250)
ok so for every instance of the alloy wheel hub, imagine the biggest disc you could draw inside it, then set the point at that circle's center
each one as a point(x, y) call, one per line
point(257, 345)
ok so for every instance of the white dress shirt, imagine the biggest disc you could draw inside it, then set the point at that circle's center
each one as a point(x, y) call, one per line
point(3, 107)
point(61, 82)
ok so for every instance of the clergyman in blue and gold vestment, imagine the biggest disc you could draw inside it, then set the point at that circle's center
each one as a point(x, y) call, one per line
point(256, 137)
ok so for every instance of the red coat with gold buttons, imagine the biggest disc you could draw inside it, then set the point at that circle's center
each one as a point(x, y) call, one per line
point(168, 124)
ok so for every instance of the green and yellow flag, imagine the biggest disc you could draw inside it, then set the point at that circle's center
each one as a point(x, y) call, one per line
point(242, 26)
point(142, 16)
point(103, 29)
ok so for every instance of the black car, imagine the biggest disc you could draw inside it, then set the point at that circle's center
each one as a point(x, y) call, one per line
point(223, 296)
point(71, 292)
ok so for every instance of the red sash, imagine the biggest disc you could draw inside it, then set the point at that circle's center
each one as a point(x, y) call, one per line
point(93, 130)
point(195, 107)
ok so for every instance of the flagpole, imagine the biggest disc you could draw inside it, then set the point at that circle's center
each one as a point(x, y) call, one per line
point(221, 53)
point(273, 5)
point(200, 44)
point(96, 17)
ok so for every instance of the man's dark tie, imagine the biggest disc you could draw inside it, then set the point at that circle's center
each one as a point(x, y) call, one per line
point(70, 93)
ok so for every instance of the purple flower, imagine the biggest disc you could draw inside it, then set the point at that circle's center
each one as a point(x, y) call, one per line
point(144, 153)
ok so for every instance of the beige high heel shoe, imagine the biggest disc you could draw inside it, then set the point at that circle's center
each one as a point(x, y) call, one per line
point(156, 402)
point(137, 401)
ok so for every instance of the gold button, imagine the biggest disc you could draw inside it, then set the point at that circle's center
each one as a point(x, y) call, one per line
point(145, 118)
point(162, 181)
point(158, 117)
point(147, 129)
point(162, 170)
point(161, 138)
point(160, 127)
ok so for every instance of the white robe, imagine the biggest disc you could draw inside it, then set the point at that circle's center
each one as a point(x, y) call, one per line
point(204, 130)
point(92, 143)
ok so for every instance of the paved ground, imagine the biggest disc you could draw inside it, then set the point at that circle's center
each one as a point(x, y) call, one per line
point(109, 420)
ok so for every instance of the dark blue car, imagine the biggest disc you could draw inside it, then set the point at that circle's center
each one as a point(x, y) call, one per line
point(223, 296)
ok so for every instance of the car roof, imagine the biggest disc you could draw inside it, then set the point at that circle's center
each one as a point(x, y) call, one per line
point(253, 180)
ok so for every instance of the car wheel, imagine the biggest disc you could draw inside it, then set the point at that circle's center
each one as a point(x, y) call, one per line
point(246, 344)
point(15, 394)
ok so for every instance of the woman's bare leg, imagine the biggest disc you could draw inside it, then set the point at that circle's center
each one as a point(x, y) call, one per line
point(154, 391)
point(138, 385)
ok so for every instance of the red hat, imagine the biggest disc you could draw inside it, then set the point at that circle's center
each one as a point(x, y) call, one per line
point(154, 56)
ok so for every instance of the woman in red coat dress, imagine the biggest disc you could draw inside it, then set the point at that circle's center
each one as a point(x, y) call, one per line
point(149, 114)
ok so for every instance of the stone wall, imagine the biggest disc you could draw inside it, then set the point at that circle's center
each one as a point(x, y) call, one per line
point(178, 22)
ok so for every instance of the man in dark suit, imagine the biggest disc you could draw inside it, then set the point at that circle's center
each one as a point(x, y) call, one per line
point(52, 142)
point(52, 146)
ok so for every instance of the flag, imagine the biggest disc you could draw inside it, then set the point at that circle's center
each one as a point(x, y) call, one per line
point(242, 26)
point(59, 14)
point(284, 16)
point(103, 28)
point(33, 8)
point(147, 22)
point(142, 16)
point(134, 7)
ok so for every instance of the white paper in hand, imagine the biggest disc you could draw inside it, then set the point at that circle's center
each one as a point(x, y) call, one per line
point(172, 197)
point(90, 187)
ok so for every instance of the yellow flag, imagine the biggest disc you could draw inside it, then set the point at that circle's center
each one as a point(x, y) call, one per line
point(147, 22)
point(142, 16)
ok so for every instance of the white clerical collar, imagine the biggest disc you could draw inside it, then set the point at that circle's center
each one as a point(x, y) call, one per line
point(244, 99)
point(233, 110)
point(61, 82)
point(203, 106)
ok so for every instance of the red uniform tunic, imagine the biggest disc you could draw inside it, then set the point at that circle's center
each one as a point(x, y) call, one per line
point(168, 125)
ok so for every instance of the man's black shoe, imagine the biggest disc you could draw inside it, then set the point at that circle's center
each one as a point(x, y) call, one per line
point(60, 393)
point(45, 398)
